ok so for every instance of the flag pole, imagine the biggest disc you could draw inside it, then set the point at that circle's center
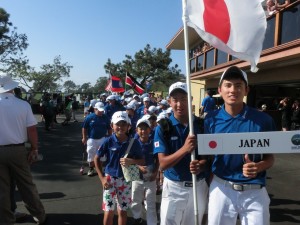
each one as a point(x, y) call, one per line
point(188, 84)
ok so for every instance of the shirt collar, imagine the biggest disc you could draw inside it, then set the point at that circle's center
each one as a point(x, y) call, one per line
point(242, 115)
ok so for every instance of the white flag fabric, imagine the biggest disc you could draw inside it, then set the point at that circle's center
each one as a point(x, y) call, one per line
point(236, 27)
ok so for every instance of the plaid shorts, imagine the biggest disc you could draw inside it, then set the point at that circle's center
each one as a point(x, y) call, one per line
point(119, 193)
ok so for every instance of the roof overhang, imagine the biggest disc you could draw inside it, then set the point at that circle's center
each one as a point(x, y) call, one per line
point(177, 42)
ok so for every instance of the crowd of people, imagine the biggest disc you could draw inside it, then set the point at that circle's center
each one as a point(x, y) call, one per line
point(162, 147)
point(152, 134)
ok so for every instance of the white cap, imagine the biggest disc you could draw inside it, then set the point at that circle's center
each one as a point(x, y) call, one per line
point(163, 102)
point(169, 110)
point(7, 83)
point(146, 117)
point(103, 94)
point(128, 99)
point(152, 109)
point(144, 95)
point(234, 70)
point(131, 105)
point(143, 121)
point(93, 102)
point(162, 115)
point(99, 106)
point(145, 99)
point(120, 115)
point(111, 97)
point(178, 86)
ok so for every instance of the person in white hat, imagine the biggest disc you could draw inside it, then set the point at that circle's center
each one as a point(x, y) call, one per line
point(95, 128)
point(113, 105)
point(238, 185)
point(131, 111)
point(143, 109)
point(163, 106)
point(18, 125)
point(146, 188)
point(116, 191)
point(152, 110)
point(174, 149)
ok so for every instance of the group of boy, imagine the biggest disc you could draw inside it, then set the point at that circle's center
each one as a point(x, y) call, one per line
point(233, 186)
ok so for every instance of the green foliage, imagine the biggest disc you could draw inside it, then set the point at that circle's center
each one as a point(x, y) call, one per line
point(69, 86)
point(12, 44)
point(100, 85)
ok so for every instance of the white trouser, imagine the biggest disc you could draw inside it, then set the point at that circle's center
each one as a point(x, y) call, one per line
point(177, 203)
point(92, 146)
point(225, 204)
point(144, 190)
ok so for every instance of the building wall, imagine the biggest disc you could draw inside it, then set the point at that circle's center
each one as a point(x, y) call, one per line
point(197, 92)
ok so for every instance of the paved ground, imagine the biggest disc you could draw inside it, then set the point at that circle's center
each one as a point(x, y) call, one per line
point(73, 199)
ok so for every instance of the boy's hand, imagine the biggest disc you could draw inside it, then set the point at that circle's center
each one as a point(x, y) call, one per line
point(190, 143)
point(105, 183)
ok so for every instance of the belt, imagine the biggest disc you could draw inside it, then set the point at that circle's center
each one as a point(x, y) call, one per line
point(11, 145)
point(187, 183)
point(237, 186)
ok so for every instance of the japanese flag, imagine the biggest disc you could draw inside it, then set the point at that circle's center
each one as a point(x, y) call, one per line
point(236, 27)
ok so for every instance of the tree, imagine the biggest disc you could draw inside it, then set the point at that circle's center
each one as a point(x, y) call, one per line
point(69, 86)
point(12, 44)
point(100, 84)
point(47, 79)
point(148, 65)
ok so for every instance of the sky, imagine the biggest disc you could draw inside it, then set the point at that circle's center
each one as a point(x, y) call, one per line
point(85, 33)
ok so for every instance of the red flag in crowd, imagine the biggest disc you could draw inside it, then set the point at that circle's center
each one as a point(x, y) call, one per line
point(233, 26)
point(130, 81)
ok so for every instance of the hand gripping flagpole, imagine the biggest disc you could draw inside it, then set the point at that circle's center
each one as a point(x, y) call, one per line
point(188, 84)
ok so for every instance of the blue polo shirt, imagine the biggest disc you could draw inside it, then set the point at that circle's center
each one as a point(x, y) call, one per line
point(179, 133)
point(208, 104)
point(230, 167)
point(97, 126)
point(110, 110)
point(114, 150)
point(148, 153)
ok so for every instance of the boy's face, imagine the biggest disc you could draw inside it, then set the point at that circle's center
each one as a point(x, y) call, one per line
point(98, 112)
point(120, 128)
point(233, 91)
point(143, 130)
point(179, 103)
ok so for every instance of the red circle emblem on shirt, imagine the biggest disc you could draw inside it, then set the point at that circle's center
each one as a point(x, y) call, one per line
point(212, 144)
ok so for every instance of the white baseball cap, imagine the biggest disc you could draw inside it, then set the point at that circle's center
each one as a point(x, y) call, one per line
point(140, 121)
point(93, 102)
point(7, 83)
point(120, 115)
point(178, 86)
point(162, 115)
point(111, 97)
point(128, 99)
point(152, 109)
point(234, 70)
point(131, 105)
point(99, 106)
point(146, 99)
point(163, 102)
point(169, 110)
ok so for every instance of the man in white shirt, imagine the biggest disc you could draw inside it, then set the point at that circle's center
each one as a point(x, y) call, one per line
point(18, 125)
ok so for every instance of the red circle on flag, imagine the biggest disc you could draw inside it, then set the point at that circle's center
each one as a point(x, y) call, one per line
point(212, 144)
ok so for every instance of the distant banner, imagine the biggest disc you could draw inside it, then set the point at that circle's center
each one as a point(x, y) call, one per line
point(248, 143)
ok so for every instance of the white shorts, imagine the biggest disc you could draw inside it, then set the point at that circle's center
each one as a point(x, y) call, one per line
point(177, 207)
point(92, 145)
point(226, 204)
